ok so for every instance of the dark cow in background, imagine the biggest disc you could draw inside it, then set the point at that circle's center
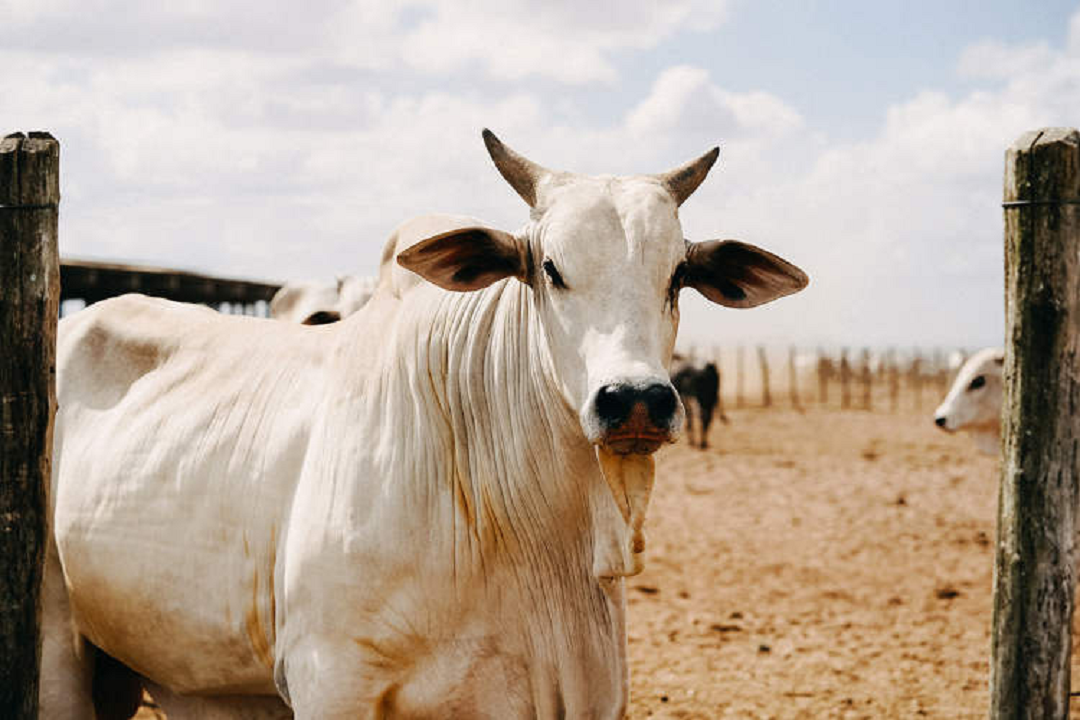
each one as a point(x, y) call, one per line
point(698, 385)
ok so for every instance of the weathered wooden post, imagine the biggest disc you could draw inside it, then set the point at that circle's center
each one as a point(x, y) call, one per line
point(1034, 576)
point(866, 379)
point(845, 380)
point(824, 370)
point(717, 359)
point(915, 378)
point(739, 377)
point(763, 363)
point(941, 371)
point(894, 380)
point(29, 303)
point(793, 379)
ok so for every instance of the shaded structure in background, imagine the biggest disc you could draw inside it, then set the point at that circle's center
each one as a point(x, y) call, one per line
point(91, 281)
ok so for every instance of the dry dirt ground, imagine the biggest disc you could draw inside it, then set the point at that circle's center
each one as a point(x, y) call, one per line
point(819, 565)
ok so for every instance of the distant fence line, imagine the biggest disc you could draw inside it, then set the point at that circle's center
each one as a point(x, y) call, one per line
point(893, 379)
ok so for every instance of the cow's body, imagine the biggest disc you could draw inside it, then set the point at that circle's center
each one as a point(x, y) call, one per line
point(699, 387)
point(425, 510)
point(373, 503)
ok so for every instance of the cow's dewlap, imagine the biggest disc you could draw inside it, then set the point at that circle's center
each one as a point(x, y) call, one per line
point(630, 479)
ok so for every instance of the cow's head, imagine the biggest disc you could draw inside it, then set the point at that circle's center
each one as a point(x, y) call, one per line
point(606, 259)
point(973, 403)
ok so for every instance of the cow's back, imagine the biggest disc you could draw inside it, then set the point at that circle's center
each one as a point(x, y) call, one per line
point(179, 437)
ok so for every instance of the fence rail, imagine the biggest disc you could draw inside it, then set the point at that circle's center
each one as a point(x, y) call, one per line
point(92, 281)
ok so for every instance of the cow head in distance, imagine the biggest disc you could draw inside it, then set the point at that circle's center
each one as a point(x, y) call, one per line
point(606, 259)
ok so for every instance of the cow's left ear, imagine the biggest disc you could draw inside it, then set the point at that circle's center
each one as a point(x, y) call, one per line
point(466, 259)
point(739, 275)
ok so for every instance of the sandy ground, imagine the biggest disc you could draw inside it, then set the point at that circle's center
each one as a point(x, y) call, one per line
point(817, 565)
point(823, 564)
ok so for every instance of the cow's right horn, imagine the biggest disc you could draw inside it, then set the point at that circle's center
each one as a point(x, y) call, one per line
point(523, 174)
point(684, 180)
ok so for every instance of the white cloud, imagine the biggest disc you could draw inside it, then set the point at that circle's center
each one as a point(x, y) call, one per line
point(1074, 34)
point(266, 159)
point(997, 60)
point(566, 40)
point(684, 101)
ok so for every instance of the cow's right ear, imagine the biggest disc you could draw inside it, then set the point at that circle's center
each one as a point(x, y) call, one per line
point(466, 259)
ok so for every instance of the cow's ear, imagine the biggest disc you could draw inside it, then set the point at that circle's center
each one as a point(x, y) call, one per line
point(739, 275)
point(466, 258)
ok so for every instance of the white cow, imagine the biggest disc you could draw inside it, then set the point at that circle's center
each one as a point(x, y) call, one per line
point(318, 303)
point(973, 403)
point(424, 510)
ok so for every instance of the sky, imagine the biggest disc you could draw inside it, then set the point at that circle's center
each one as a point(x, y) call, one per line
point(284, 141)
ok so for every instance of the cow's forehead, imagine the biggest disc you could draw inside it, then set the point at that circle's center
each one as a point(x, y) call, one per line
point(987, 361)
point(635, 216)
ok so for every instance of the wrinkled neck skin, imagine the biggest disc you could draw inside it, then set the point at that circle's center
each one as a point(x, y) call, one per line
point(524, 542)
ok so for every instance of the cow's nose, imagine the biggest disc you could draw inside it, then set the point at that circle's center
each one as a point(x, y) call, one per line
point(615, 402)
point(940, 421)
point(660, 399)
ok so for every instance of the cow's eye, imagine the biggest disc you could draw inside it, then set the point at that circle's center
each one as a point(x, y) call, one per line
point(977, 383)
point(553, 275)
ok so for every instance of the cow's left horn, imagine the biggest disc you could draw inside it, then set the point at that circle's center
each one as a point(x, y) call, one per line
point(523, 174)
point(684, 180)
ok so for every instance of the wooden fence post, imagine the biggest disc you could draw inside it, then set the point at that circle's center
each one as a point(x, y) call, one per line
point(915, 378)
point(717, 360)
point(29, 304)
point(894, 380)
point(763, 361)
point(793, 380)
point(941, 371)
point(1034, 568)
point(845, 380)
point(824, 370)
point(867, 379)
point(740, 375)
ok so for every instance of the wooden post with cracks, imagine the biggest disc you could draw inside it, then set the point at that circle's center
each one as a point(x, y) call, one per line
point(1034, 568)
point(867, 379)
point(763, 363)
point(845, 380)
point(793, 379)
point(29, 304)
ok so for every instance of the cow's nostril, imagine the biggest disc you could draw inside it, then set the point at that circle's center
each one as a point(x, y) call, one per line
point(613, 404)
point(661, 401)
point(940, 421)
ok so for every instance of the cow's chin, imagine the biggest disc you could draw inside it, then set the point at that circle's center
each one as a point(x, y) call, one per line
point(637, 443)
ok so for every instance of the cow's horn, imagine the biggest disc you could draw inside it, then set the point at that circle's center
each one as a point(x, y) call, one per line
point(523, 174)
point(684, 180)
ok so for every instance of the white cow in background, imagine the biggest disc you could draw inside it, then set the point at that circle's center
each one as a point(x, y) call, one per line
point(973, 403)
point(319, 303)
point(426, 510)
